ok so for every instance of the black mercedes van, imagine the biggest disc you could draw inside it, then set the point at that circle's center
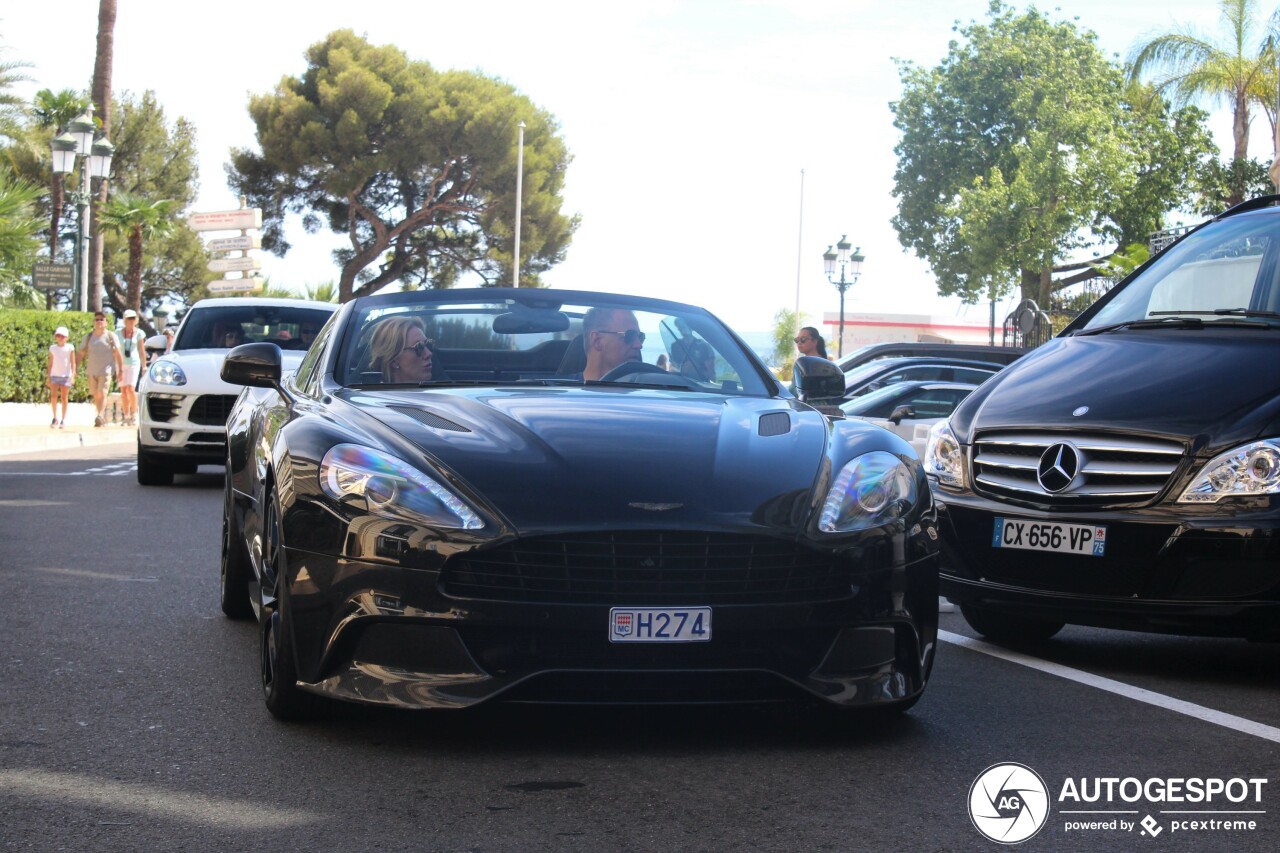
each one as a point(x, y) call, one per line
point(1127, 473)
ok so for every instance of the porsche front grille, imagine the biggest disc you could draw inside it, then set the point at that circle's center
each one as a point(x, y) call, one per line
point(1104, 469)
point(212, 409)
point(647, 567)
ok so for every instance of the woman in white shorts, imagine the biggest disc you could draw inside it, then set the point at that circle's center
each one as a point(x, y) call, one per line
point(132, 342)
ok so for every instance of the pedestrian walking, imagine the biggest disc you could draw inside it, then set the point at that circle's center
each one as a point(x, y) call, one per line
point(100, 355)
point(132, 345)
point(62, 375)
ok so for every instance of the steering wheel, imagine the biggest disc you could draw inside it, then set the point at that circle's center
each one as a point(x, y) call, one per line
point(630, 368)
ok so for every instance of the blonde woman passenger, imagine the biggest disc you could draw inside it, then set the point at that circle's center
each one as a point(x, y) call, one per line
point(400, 351)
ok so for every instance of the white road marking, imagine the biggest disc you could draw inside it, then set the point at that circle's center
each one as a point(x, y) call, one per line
point(149, 800)
point(1138, 694)
point(117, 469)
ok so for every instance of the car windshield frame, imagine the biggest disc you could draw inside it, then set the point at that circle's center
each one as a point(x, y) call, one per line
point(500, 337)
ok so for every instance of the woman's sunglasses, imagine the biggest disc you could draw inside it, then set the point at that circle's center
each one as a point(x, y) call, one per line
point(803, 339)
point(419, 349)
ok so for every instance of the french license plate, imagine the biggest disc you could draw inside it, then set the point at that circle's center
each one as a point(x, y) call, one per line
point(659, 624)
point(1085, 539)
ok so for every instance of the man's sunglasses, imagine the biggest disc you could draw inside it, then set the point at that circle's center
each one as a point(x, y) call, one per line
point(419, 348)
point(629, 337)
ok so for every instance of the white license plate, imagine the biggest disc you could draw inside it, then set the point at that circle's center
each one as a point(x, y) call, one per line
point(1086, 539)
point(659, 624)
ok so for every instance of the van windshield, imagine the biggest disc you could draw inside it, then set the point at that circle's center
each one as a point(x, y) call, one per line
point(1225, 270)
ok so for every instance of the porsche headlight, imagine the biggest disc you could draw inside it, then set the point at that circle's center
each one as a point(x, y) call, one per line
point(869, 491)
point(387, 486)
point(1246, 471)
point(943, 460)
point(166, 372)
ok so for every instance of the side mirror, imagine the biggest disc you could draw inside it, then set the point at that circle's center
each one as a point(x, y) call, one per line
point(817, 378)
point(896, 416)
point(257, 365)
point(156, 343)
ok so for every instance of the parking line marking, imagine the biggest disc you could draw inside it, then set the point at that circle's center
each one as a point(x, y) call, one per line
point(1138, 694)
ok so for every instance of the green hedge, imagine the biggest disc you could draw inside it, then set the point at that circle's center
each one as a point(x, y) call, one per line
point(25, 338)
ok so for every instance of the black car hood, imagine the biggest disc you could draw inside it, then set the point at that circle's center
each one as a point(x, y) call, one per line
point(552, 458)
point(1211, 388)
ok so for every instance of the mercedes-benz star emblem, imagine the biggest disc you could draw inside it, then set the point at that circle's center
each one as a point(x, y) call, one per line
point(1058, 467)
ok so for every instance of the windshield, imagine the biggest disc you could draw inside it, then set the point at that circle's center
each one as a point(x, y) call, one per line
point(226, 326)
point(1217, 274)
point(417, 339)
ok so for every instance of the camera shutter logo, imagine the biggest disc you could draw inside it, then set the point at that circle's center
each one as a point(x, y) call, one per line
point(1008, 803)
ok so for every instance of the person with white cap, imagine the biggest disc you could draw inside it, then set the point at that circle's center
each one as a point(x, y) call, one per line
point(62, 374)
point(132, 345)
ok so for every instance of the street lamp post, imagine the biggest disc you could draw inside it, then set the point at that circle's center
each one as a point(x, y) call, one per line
point(95, 162)
point(850, 263)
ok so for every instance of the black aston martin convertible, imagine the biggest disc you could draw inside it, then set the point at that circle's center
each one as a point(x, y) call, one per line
point(555, 496)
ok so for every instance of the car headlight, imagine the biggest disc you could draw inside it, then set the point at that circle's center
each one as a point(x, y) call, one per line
point(1246, 471)
point(870, 491)
point(167, 373)
point(387, 486)
point(943, 459)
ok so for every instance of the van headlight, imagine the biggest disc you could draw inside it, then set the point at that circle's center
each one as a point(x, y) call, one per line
point(871, 490)
point(1246, 471)
point(943, 459)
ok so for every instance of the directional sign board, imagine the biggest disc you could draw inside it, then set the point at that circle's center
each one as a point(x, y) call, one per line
point(231, 244)
point(227, 220)
point(53, 276)
point(236, 285)
point(232, 264)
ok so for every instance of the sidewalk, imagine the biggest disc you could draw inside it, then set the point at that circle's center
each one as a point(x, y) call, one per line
point(24, 428)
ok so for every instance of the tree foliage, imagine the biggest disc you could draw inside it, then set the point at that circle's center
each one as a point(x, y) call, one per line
point(1239, 70)
point(1023, 148)
point(417, 168)
point(20, 228)
point(137, 220)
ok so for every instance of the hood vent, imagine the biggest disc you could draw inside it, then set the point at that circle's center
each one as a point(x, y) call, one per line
point(430, 419)
point(775, 423)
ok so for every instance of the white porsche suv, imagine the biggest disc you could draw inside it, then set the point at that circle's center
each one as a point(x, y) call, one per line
point(184, 403)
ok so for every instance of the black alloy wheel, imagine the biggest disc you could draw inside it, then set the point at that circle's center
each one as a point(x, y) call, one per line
point(236, 570)
point(280, 688)
point(1007, 628)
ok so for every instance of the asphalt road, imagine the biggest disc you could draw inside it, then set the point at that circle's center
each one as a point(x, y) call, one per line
point(130, 719)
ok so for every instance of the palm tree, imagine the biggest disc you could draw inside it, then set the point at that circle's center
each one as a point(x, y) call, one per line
point(102, 68)
point(11, 106)
point(19, 242)
point(1238, 70)
point(52, 110)
point(138, 220)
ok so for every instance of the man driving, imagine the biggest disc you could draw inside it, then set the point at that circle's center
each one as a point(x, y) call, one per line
point(611, 336)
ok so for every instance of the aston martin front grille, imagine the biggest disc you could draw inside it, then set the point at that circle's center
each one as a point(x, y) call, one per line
point(647, 567)
point(1107, 469)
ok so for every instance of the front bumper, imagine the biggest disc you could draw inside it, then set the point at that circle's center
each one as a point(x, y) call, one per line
point(184, 427)
point(1165, 569)
point(371, 632)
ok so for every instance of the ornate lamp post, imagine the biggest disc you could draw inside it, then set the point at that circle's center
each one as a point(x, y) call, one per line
point(95, 162)
point(852, 264)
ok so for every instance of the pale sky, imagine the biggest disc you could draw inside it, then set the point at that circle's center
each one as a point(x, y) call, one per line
point(690, 121)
